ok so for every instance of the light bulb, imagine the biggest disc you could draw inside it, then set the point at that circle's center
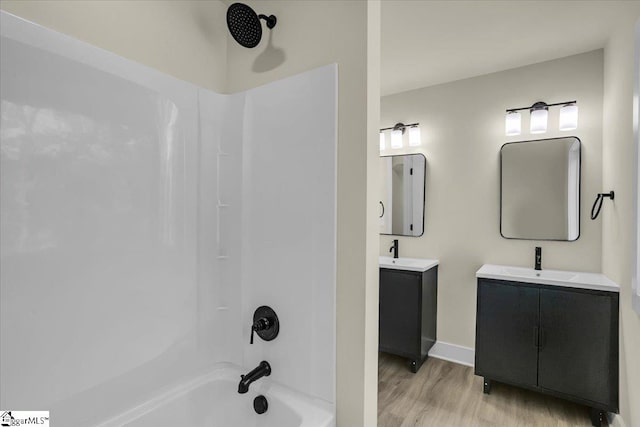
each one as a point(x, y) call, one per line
point(396, 138)
point(414, 136)
point(513, 123)
point(539, 120)
point(569, 117)
point(383, 144)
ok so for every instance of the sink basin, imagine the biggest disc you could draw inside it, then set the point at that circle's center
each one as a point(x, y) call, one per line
point(546, 274)
point(410, 264)
point(571, 279)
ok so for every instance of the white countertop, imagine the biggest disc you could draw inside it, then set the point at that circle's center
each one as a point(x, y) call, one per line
point(568, 279)
point(410, 264)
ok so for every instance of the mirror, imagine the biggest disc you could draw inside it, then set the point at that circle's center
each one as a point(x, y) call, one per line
point(402, 195)
point(540, 189)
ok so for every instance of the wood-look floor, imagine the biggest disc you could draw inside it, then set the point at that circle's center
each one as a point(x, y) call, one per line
point(446, 394)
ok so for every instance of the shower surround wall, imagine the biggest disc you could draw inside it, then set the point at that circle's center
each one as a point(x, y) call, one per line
point(142, 221)
point(288, 224)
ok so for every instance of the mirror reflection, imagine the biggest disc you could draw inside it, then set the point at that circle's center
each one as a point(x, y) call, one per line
point(402, 195)
point(540, 189)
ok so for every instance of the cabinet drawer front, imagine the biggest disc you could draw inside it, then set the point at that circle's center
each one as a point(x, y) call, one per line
point(506, 332)
point(578, 345)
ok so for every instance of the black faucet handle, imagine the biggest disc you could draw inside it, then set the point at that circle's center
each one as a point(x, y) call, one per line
point(394, 248)
point(265, 324)
point(262, 324)
point(538, 260)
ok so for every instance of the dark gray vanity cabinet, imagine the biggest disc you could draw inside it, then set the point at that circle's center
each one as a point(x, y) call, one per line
point(408, 313)
point(556, 340)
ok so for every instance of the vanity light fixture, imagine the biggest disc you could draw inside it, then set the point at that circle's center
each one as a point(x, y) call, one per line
point(513, 123)
point(539, 116)
point(569, 117)
point(383, 143)
point(397, 132)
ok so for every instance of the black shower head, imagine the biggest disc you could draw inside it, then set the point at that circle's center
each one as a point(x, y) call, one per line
point(244, 24)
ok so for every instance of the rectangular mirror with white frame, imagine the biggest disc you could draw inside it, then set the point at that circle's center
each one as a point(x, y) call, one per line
point(402, 195)
point(540, 189)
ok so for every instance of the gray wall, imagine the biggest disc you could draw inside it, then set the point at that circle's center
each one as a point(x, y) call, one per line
point(180, 38)
point(462, 127)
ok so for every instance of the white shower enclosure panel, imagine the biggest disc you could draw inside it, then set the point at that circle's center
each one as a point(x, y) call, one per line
point(289, 223)
point(98, 223)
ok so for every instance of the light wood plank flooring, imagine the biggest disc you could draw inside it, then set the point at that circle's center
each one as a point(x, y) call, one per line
point(445, 394)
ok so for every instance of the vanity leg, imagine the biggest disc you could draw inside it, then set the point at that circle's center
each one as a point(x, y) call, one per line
point(597, 416)
point(413, 365)
point(486, 389)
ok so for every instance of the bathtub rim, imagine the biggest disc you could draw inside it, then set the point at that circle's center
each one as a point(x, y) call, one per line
point(313, 411)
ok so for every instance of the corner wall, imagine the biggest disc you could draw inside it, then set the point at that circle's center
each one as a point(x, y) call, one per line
point(180, 38)
point(617, 231)
point(462, 126)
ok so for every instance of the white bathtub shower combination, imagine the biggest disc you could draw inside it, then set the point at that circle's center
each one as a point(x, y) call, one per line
point(142, 221)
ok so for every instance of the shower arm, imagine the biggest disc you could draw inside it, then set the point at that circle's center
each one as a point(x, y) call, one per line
point(270, 20)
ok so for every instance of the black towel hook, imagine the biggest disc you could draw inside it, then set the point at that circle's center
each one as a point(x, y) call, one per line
point(597, 205)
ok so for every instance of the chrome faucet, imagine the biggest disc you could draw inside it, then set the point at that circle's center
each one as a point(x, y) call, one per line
point(538, 258)
point(394, 248)
point(263, 370)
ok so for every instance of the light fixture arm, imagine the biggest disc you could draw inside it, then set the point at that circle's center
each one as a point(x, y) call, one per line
point(539, 105)
point(400, 126)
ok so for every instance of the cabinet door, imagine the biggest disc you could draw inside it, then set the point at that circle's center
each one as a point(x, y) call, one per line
point(578, 344)
point(506, 332)
point(400, 296)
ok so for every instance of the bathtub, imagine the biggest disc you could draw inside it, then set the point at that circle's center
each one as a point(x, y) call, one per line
point(212, 400)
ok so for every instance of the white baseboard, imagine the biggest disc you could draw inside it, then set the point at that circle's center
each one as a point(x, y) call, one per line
point(453, 353)
point(617, 421)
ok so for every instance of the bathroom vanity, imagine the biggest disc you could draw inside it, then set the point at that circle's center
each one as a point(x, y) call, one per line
point(554, 332)
point(408, 307)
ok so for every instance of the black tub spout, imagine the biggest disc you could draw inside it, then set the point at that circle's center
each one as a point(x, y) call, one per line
point(263, 370)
